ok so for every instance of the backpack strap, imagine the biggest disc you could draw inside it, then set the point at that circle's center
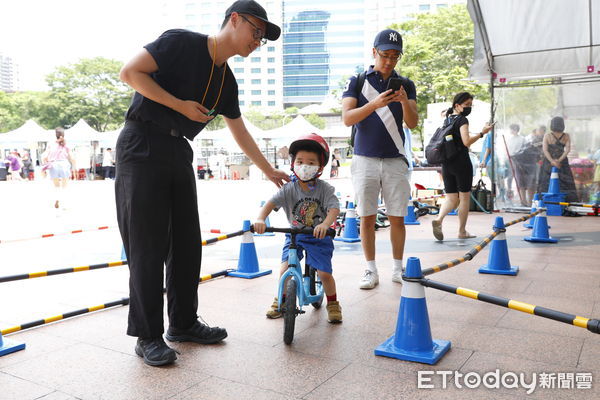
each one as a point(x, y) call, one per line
point(360, 82)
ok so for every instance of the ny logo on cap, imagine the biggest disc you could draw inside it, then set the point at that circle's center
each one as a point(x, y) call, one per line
point(393, 37)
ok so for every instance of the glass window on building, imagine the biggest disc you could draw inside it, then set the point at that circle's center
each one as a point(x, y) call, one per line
point(240, 81)
point(238, 58)
point(271, 70)
point(240, 91)
point(242, 102)
point(256, 102)
point(238, 70)
point(255, 92)
point(442, 5)
point(271, 49)
point(271, 59)
point(256, 81)
point(271, 93)
point(271, 81)
point(424, 7)
point(254, 59)
point(255, 70)
point(271, 103)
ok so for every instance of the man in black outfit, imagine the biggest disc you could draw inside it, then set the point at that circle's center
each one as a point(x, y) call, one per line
point(182, 82)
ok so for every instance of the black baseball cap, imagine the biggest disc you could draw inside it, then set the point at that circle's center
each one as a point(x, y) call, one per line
point(251, 7)
point(388, 39)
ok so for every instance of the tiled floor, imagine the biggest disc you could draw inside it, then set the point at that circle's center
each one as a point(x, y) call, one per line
point(90, 357)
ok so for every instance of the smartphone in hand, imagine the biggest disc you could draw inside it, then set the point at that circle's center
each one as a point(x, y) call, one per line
point(396, 83)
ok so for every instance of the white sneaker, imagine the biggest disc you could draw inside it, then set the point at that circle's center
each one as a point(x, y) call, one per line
point(397, 275)
point(369, 280)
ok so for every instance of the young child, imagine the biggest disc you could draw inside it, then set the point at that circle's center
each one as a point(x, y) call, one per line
point(308, 202)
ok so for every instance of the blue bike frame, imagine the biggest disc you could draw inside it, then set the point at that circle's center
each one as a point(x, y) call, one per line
point(294, 271)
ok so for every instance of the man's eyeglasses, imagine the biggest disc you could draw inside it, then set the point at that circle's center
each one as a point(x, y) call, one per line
point(391, 58)
point(258, 33)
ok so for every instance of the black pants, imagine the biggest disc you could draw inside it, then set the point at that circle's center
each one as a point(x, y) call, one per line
point(157, 212)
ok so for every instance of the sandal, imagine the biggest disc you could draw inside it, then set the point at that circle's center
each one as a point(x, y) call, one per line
point(467, 236)
point(437, 230)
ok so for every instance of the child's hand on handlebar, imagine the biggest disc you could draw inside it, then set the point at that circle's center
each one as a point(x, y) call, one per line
point(320, 231)
point(260, 226)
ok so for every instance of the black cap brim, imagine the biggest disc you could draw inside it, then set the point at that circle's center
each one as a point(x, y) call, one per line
point(273, 31)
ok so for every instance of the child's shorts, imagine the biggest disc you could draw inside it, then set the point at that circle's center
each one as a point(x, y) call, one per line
point(319, 251)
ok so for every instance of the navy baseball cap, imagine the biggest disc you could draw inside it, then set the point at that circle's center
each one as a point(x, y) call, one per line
point(251, 7)
point(388, 39)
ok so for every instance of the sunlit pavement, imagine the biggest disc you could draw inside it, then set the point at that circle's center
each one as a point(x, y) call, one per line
point(90, 357)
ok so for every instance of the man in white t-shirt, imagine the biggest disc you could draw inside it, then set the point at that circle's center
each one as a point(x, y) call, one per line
point(108, 164)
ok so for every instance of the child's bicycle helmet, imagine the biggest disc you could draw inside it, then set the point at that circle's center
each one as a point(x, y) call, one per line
point(310, 142)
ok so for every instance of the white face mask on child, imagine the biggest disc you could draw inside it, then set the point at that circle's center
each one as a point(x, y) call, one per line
point(306, 172)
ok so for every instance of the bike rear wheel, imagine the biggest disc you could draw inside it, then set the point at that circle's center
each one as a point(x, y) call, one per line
point(289, 312)
point(315, 285)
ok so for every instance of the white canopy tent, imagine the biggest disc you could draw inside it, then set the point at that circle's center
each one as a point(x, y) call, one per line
point(29, 132)
point(550, 42)
point(81, 132)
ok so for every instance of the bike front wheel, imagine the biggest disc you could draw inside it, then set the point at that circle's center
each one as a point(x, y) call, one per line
point(289, 313)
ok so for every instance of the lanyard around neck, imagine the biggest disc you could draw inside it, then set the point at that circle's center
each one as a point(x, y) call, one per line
point(212, 69)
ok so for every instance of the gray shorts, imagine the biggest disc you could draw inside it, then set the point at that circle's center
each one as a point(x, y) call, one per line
point(60, 169)
point(388, 176)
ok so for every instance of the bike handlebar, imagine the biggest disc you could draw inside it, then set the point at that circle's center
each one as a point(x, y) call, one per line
point(294, 231)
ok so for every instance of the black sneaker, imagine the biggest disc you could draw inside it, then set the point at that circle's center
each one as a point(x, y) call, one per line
point(198, 333)
point(155, 351)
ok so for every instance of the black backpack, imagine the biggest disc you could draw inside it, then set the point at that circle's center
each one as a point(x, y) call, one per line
point(442, 147)
point(359, 85)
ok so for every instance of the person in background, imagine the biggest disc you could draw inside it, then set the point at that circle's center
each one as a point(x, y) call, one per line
point(458, 172)
point(380, 163)
point(60, 161)
point(108, 164)
point(15, 165)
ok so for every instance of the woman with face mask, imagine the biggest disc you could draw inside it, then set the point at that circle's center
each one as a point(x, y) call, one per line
point(458, 172)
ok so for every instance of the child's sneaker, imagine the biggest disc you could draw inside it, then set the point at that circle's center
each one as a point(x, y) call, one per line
point(334, 312)
point(273, 312)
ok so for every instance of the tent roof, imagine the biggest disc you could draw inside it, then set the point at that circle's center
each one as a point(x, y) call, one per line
point(519, 40)
point(29, 132)
point(81, 132)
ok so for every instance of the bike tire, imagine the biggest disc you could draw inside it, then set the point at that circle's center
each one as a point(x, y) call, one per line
point(289, 313)
point(313, 283)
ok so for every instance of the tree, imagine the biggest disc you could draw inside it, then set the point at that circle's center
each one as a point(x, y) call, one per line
point(438, 50)
point(18, 107)
point(90, 89)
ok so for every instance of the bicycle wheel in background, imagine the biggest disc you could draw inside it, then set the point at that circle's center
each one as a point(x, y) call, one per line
point(315, 285)
point(289, 313)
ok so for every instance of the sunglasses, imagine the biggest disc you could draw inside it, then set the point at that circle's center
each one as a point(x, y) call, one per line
point(258, 33)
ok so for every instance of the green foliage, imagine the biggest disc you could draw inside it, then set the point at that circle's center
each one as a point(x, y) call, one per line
point(90, 89)
point(217, 123)
point(17, 108)
point(315, 120)
point(438, 50)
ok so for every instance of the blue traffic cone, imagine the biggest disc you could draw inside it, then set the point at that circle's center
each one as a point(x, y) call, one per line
point(412, 340)
point(350, 233)
point(123, 254)
point(411, 218)
point(498, 261)
point(554, 185)
point(267, 223)
point(8, 346)
point(453, 212)
point(540, 232)
point(248, 261)
point(534, 203)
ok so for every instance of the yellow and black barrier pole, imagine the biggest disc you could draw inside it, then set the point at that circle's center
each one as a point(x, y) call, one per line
point(40, 274)
point(562, 203)
point(592, 325)
point(123, 302)
point(222, 237)
point(476, 249)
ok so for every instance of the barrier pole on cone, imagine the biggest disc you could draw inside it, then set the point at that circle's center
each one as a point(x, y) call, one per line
point(412, 340)
point(8, 346)
point(248, 260)
point(411, 218)
point(540, 232)
point(350, 233)
point(267, 223)
point(498, 260)
point(534, 204)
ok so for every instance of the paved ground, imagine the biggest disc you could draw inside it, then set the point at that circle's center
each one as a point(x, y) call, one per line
point(90, 357)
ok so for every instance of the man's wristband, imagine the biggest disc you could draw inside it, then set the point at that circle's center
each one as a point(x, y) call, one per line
point(480, 134)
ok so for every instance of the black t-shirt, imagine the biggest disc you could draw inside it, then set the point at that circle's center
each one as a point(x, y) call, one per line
point(459, 120)
point(184, 66)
